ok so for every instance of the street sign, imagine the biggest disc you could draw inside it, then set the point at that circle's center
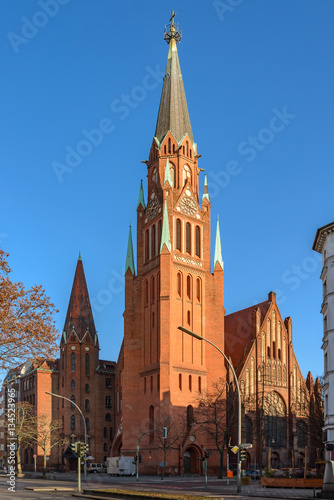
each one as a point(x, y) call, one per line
point(235, 449)
point(90, 458)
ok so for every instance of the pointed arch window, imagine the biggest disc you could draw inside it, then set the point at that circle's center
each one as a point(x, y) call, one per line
point(199, 384)
point(198, 289)
point(87, 388)
point(87, 364)
point(72, 384)
point(73, 401)
point(147, 245)
point(198, 241)
point(153, 242)
point(188, 238)
point(87, 407)
point(190, 383)
point(178, 234)
point(189, 287)
point(72, 422)
point(151, 423)
point(159, 233)
point(186, 174)
point(155, 176)
point(73, 361)
point(146, 292)
point(179, 284)
point(152, 290)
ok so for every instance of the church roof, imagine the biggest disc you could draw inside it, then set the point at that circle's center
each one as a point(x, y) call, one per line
point(173, 111)
point(79, 313)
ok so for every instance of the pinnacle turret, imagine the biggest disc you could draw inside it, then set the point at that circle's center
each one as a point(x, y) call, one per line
point(130, 262)
point(218, 249)
point(167, 174)
point(165, 234)
point(206, 190)
point(141, 200)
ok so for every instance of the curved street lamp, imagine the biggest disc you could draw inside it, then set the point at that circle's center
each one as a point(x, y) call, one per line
point(84, 421)
point(199, 337)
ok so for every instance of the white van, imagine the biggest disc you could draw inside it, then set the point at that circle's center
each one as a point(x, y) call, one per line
point(95, 468)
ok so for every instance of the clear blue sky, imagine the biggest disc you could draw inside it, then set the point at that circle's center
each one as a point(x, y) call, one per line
point(259, 81)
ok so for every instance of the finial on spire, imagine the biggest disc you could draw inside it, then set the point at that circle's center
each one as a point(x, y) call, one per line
point(172, 30)
point(79, 258)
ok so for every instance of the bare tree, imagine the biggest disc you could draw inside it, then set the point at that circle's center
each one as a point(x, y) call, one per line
point(215, 415)
point(175, 430)
point(46, 435)
point(19, 428)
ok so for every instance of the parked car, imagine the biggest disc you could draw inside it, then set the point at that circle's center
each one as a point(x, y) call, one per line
point(254, 474)
point(95, 468)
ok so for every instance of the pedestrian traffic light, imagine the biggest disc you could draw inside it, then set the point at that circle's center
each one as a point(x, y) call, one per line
point(242, 454)
point(74, 447)
point(206, 454)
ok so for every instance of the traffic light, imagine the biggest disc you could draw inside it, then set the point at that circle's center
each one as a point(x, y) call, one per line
point(74, 447)
point(206, 454)
point(243, 454)
point(140, 459)
point(164, 432)
point(134, 459)
point(84, 449)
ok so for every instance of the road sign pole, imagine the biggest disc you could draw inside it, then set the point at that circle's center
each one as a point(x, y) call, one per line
point(79, 467)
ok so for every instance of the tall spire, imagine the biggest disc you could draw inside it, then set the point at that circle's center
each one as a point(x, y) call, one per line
point(173, 111)
point(205, 190)
point(218, 249)
point(79, 313)
point(141, 196)
point(165, 234)
point(130, 263)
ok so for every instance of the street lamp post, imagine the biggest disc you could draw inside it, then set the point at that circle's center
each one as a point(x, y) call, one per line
point(199, 337)
point(84, 421)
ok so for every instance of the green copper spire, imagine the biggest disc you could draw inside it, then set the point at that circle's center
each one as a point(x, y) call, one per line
point(167, 174)
point(141, 196)
point(218, 249)
point(206, 190)
point(165, 236)
point(79, 258)
point(130, 263)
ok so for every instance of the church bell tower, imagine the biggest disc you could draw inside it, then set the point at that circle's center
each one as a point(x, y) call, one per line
point(164, 369)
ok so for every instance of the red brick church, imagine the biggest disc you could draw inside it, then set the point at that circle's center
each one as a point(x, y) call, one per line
point(161, 372)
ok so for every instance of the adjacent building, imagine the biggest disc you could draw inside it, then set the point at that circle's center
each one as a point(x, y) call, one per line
point(324, 244)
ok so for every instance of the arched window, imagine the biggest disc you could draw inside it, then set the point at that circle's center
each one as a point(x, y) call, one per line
point(147, 246)
point(159, 234)
point(179, 284)
point(87, 388)
point(105, 432)
point(199, 384)
point(190, 383)
point(187, 148)
point(151, 423)
point(73, 361)
point(189, 318)
point(105, 447)
point(198, 241)
point(72, 422)
point(62, 381)
point(178, 234)
point(87, 424)
point(108, 417)
point(152, 290)
point(180, 381)
point(169, 146)
point(198, 289)
point(72, 384)
point(87, 364)
point(275, 426)
point(73, 400)
point(190, 417)
point(153, 240)
point(87, 405)
point(188, 237)
point(186, 174)
point(155, 176)
point(146, 292)
point(108, 401)
point(189, 287)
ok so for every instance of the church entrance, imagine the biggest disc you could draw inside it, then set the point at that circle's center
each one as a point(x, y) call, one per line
point(191, 464)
